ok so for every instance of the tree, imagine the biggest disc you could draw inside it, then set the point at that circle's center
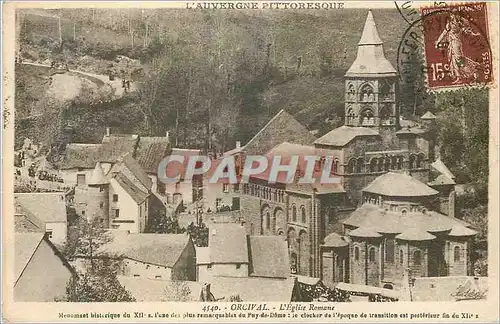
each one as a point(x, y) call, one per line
point(177, 291)
point(96, 279)
point(164, 224)
point(199, 234)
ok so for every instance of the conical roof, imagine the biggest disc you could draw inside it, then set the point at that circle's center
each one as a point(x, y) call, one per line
point(462, 231)
point(370, 33)
point(428, 116)
point(364, 232)
point(98, 177)
point(370, 60)
point(335, 240)
point(415, 234)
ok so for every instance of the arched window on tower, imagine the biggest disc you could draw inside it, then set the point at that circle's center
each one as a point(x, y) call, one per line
point(356, 253)
point(373, 165)
point(294, 213)
point(371, 254)
point(351, 93)
point(367, 118)
point(385, 91)
point(417, 258)
point(360, 165)
point(385, 115)
point(380, 166)
point(387, 164)
point(412, 162)
point(268, 220)
point(456, 254)
point(399, 165)
point(351, 166)
point(335, 166)
point(420, 160)
point(401, 257)
point(394, 163)
point(366, 93)
point(303, 217)
point(350, 116)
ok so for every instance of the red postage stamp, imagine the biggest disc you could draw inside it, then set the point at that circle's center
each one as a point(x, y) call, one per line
point(456, 46)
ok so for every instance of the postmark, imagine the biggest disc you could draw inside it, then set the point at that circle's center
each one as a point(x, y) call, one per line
point(456, 46)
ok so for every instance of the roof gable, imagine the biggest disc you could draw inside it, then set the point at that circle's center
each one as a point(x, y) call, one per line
point(228, 243)
point(158, 249)
point(283, 127)
point(399, 185)
point(46, 207)
point(343, 135)
point(135, 192)
point(269, 256)
point(25, 245)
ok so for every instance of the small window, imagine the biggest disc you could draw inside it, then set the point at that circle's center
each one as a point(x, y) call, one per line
point(417, 258)
point(83, 212)
point(114, 226)
point(294, 213)
point(238, 265)
point(225, 187)
point(456, 254)
point(117, 213)
point(209, 266)
point(356, 253)
point(371, 254)
point(157, 277)
point(401, 257)
point(136, 275)
point(49, 234)
point(80, 179)
point(147, 266)
point(389, 250)
point(101, 189)
point(115, 197)
point(101, 205)
point(303, 214)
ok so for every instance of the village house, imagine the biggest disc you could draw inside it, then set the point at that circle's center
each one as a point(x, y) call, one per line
point(41, 272)
point(42, 212)
point(385, 166)
point(153, 256)
point(232, 253)
point(121, 199)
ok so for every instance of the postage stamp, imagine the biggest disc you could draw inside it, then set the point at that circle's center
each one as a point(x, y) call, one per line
point(456, 46)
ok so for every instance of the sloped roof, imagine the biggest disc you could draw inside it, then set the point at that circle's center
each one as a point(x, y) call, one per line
point(364, 232)
point(137, 171)
point(335, 240)
point(283, 127)
point(25, 245)
point(202, 255)
point(23, 224)
point(462, 231)
point(79, 155)
point(269, 257)
point(377, 219)
point(342, 135)
point(441, 180)
point(290, 149)
point(394, 184)
point(253, 289)
point(151, 151)
point(46, 207)
point(440, 167)
point(98, 177)
point(136, 193)
point(415, 234)
point(158, 249)
point(86, 155)
point(428, 116)
point(154, 290)
point(370, 60)
point(228, 243)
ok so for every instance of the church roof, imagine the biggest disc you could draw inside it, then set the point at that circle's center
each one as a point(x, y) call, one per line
point(370, 60)
point(364, 232)
point(440, 167)
point(462, 231)
point(428, 116)
point(376, 219)
point(283, 127)
point(342, 135)
point(335, 240)
point(415, 234)
point(394, 184)
point(98, 177)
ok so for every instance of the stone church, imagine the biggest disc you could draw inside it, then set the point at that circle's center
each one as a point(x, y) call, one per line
point(394, 208)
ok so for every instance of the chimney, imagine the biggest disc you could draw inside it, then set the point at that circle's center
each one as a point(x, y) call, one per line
point(107, 131)
point(238, 144)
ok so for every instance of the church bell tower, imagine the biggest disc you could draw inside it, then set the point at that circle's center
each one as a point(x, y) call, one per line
point(371, 84)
